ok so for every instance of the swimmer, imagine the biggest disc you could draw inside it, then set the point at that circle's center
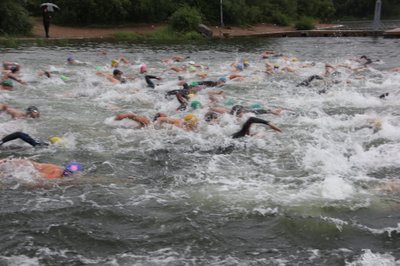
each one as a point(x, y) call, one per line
point(7, 65)
point(116, 62)
point(47, 170)
point(307, 81)
point(31, 112)
point(28, 139)
point(176, 58)
point(116, 77)
point(240, 110)
point(209, 83)
point(189, 122)
point(142, 120)
point(253, 120)
point(72, 61)
point(148, 78)
point(12, 73)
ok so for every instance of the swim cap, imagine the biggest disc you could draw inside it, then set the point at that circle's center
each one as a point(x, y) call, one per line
point(32, 109)
point(237, 109)
point(70, 58)
point(14, 69)
point(239, 67)
point(55, 139)
point(63, 78)
point(194, 84)
point(72, 168)
point(191, 120)
point(195, 104)
point(191, 95)
point(114, 63)
point(116, 72)
point(191, 63)
point(192, 68)
point(229, 101)
point(256, 106)
point(143, 68)
point(180, 78)
point(209, 116)
point(246, 63)
point(223, 79)
point(7, 83)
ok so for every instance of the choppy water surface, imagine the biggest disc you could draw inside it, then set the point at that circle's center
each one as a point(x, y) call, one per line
point(164, 196)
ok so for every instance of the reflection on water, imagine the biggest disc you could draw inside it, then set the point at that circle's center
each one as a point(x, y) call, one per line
point(165, 196)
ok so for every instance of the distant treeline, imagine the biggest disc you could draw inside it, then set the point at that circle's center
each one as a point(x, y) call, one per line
point(235, 12)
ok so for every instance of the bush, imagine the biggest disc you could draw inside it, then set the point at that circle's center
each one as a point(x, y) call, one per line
point(14, 18)
point(185, 19)
point(305, 23)
point(280, 19)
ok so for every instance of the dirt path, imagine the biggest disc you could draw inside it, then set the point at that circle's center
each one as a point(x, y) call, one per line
point(72, 32)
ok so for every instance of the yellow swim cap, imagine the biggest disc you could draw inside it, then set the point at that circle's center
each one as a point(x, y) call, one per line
point(114, 63)
point(191, 119)
point(55, 139)
point(191, 95)
point(377, 124)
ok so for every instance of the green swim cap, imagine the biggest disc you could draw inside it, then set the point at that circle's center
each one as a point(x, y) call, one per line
point(229, 101)
point(194, 84)
point(195, 104)
point(7, 83)
point(256, 106)
point(63, 78)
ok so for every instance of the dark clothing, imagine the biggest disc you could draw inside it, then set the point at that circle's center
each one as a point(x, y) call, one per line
point(150, 83)
point(240, 109)
point(246, 127)
point(46, 22)
point(23, 136)
point(208, 83)
point(308, 80)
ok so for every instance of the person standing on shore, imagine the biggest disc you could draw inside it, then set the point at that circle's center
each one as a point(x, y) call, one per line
point(46, 20)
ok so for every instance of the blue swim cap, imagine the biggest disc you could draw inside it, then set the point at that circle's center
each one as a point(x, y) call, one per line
point(223, 79)
point(239, 67)
point(72, 168)
point(229, 101)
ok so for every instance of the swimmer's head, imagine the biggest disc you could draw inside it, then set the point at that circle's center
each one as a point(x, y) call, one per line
point(195, 104)
point(7, 83)
point(191, 95)
point(114, 63)
point(246, 63)
point(33, 111)
point(14, 69)
point(194, 84)
point(255, 106)
point(181, 78)
point(192, 69)
point(210, 116)
point(191, 120)
point(47, 74)
point(229, 101)
point(70, 58)
point(117, 72)
point(143, 68)
point(55, 139)
point(239, 67)
point(237, 110)
point(191, 63)
point(72, 168)
point(222, 79)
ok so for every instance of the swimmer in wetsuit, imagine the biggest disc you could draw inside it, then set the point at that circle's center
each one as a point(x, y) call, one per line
point(253, 120)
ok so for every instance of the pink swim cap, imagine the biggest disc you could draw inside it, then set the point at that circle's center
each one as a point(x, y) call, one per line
point(143, 68)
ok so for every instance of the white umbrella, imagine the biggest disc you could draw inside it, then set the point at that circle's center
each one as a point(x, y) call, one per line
point(50, 7)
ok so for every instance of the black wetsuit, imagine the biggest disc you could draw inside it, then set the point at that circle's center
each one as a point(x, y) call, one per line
point(240, 109)
point(308, 80)
point(23, 136)
point(208, 83)
point(246, 127)
point(46, 22)
point(148, 79)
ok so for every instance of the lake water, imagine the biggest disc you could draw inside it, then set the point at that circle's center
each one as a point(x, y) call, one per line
point(164, 196)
